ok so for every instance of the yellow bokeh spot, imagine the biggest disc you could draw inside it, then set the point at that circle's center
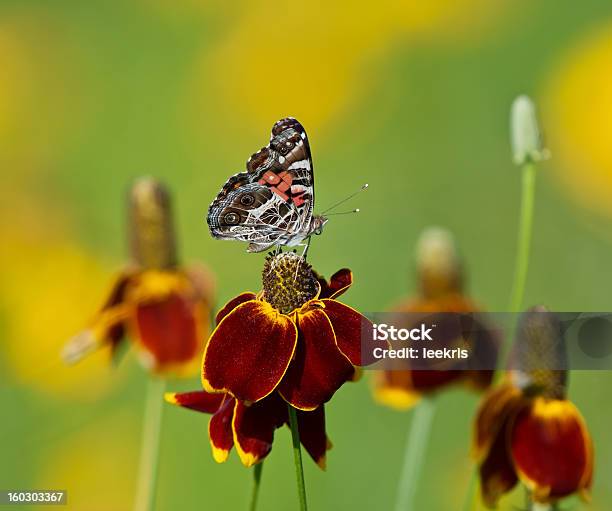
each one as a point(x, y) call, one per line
point(578, 121)
point(49, 289)
point(95, 465)
point(315, 61)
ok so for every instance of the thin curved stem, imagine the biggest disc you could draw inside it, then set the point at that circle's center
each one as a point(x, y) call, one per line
point(524, 236)
point(297, 457)
point(256, 480)
point(414, 454)
point(149, 451)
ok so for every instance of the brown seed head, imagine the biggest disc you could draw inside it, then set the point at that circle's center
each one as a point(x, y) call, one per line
point(288, 282)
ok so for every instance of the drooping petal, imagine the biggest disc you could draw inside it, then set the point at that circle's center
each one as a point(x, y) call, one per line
point(395, 389)
point(199, 400)
point(254, 426)
point(220, 431)
point(249, 351)
point(108, 326)
point(496, 410)
point(318, 368)
point(233, 303)
point(116, 333)
point(483, 341)
point(313, 437)
point(551, 449)
point(167, 331)
point(427, 382)
point(497, 475)
point(338, 283)
point(348, 325)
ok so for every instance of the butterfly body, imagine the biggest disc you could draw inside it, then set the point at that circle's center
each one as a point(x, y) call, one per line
point(272, 202)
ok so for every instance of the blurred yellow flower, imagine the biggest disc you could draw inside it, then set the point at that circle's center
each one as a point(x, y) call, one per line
point(578, 120)
point(93, 465)
point(47, 285)
point(313, 61)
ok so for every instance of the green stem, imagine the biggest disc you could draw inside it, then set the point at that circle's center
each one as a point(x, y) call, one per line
point(414, 454)
point(524, 236)
point(297, 456)
point(149, 451)
point(256, 480)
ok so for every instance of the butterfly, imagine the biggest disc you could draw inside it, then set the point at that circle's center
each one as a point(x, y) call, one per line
point(272, 203)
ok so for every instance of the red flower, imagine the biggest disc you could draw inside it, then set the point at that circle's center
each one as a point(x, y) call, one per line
point(251, 428)
point(293, 343)
point(294, 337)
point(441, 291)
point(162, 307)
point(526, 429)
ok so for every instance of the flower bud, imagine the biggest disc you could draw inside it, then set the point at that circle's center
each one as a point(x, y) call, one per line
point(539, 358)
point(525, 134)
point(438, 265)
point(151, 230)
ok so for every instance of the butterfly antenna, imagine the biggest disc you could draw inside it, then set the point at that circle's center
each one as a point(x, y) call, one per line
point(363, 188)
point(345, 212)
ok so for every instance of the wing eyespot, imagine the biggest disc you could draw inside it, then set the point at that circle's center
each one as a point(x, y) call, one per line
point(247, 199)
point(231, 218)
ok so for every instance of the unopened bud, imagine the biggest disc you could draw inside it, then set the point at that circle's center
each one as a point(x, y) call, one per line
point(438, 264)
point(539, 359)
point(526, 139)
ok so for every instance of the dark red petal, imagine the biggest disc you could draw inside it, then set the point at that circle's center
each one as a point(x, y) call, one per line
point(254, 427)
point(249, 351)
point(167, 330)
point(551, 448)
point(338, 283)
point(497, 475)
point(116, 333)
point(318, 368)
point(220, 430)
point(427, 382)
point(313, 437)
point(232, 304)
point(107, 328)
point(497, 408)
point(199, 400)
point(348, 325)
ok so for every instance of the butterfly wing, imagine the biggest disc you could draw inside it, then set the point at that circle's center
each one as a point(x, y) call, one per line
point(272, 202)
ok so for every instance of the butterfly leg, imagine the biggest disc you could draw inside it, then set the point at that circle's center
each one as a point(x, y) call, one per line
point(304, 252)
point(306, 247)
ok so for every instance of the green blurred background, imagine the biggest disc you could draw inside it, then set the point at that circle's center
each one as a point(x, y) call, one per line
point(411, 97)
